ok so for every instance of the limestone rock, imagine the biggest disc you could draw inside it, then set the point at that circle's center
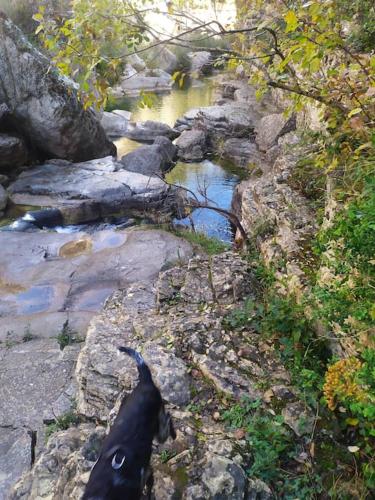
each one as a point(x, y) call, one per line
point(192, 145)
point(161, 57)
point(242, 152)
point(223, 478)
point(15, 455)
point(271, 127)
point(87, 191)
point(43, 104)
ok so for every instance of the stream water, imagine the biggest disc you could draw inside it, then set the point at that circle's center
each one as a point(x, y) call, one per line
point(216, 178)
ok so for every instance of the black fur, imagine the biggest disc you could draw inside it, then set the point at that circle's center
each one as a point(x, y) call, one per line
point(141, 418)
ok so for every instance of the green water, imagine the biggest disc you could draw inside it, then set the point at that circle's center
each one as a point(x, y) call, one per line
point(167, 108)
point(216, 178)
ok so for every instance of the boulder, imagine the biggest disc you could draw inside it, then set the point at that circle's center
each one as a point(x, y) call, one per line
point(162, 58)
point(201, 63)
point(150, 160)
point(87, 191)
point(136, 62)
point(147, 131)
point(115, 123)
point(271, 128)
point(133, 82)
point(242, 152)
point(13, 152)
point(43, 104)
point(192, 145)
point(220, 122)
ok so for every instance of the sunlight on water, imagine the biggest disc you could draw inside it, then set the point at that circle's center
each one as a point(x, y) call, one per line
point(217, 184)
point(167, 109)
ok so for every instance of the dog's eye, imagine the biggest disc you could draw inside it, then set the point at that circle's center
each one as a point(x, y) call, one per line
point(117, 462)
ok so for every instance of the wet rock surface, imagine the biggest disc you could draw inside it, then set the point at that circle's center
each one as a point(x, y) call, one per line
point(192, 358)
point(43, 104)
point(90, 190)
point(192, 145)
point(151, 160)
point(55, 278)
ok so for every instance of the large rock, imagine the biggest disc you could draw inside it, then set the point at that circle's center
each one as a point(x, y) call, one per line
point(15, 455)
point(13, 152)
point(134, 82)
point(242, 152)
point(49, 278)
point(150, 160)
point(43, 104)
point(36, 385)
point(87, 191)
point(192, 145)
point(201, 63)
point(271, 128)
point(161, 57)
point(115, 123)
point(149, 130)
point(220, 122)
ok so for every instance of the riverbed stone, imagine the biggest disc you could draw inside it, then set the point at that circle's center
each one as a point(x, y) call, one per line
point(151, 160)
point(149, 130)
point(161, 57)
point(149, 80)
point(87, 191)
point(192, 145)
point(43, 104)
point(115, 123)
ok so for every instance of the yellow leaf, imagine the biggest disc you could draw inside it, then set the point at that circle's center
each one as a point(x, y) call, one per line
point(291, 21)
point(352, 421)
point(39, 29)
point(354, 112)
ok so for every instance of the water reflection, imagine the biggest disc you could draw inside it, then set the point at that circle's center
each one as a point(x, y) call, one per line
point(212, 180)
point(167, 109)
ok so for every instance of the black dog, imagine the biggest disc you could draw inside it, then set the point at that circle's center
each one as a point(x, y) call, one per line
point(123, 466)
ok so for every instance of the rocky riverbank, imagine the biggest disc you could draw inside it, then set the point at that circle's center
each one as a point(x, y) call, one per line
point(202, 367)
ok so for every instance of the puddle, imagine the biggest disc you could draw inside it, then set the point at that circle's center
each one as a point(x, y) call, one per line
point(35, 300)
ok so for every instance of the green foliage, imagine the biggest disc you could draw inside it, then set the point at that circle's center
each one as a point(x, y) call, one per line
point(91, 44)
point(272, 448)
point(67, 336)
point(62, 423)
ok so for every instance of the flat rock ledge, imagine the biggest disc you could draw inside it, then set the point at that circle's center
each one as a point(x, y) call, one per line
point(87, 191)
point(178, 326)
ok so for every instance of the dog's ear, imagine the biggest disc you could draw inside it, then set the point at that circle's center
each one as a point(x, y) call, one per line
point(166, 427)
